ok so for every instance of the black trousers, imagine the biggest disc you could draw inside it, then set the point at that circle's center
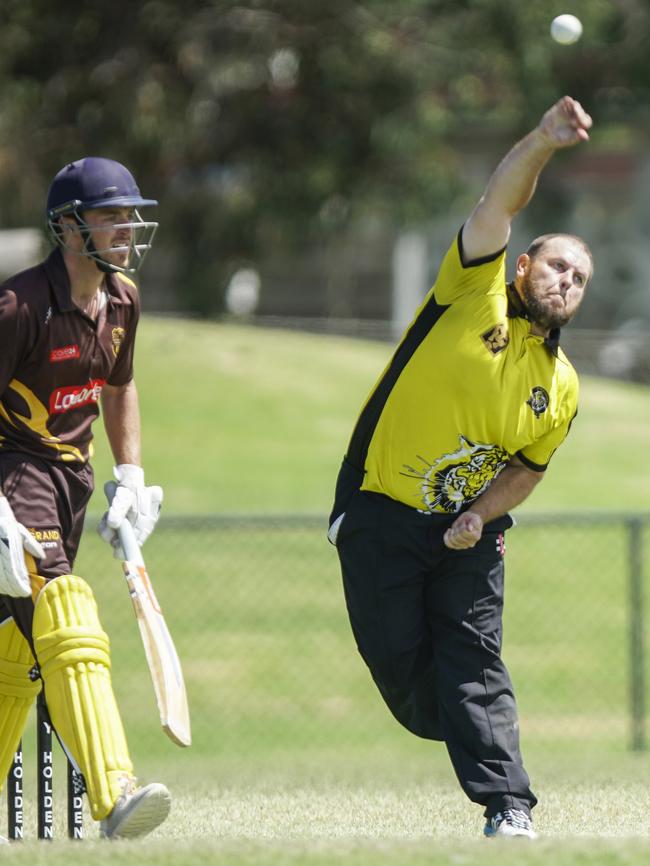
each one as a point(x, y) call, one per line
point(428, 623)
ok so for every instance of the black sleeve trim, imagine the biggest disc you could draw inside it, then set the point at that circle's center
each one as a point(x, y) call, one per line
point(475, 262)
point(536, 467)
point(568, 429)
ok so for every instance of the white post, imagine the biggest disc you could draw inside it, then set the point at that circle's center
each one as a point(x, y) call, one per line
point(410, 279)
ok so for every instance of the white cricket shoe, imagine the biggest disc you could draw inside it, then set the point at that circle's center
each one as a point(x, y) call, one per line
point(510, 822)
point(137, 812)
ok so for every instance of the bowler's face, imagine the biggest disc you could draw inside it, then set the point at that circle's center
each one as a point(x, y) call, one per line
point(553, 283)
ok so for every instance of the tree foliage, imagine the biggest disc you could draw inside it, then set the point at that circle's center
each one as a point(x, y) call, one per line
point(266, 125)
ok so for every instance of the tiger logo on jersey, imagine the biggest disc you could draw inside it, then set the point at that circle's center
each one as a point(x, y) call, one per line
point(456, 479)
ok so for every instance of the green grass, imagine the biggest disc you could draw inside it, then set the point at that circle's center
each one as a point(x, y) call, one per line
point(258, 616)
point(295, 759)
point(601, 822)
point(240, 419)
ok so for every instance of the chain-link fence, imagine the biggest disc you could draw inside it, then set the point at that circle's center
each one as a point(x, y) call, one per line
point(256, 609)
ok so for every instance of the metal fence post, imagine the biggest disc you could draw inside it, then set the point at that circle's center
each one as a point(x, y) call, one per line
point(637, 643)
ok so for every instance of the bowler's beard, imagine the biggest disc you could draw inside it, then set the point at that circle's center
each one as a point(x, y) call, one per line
point(540, 313)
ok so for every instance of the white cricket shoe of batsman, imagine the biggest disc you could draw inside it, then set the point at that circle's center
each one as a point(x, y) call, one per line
point(137, 812)
point(14, 540)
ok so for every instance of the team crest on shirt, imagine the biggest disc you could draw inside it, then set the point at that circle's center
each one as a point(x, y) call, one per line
point(497, 338)
point(456, 479)
point(117, 338)
point(538, 400)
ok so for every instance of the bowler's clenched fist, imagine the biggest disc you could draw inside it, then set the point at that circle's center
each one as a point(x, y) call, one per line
point(464, 532)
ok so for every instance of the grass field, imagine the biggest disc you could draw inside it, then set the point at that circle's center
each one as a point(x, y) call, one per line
point(249, 420)
point(371, 826)
point(295, 760)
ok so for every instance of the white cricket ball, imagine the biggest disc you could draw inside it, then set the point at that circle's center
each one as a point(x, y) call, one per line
point(566, 29)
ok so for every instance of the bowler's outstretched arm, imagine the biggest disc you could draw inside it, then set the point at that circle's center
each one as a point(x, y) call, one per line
point(513, 183)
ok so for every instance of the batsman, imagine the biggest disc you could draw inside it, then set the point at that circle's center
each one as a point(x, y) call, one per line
point(67, 333)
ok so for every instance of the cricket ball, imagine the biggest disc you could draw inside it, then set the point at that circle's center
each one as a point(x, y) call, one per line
point(566, 29)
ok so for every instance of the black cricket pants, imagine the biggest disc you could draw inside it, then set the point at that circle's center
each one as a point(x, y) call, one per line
point(428, 623)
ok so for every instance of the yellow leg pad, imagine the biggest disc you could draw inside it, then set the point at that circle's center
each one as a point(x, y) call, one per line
point(17, 691)
point(74, 657)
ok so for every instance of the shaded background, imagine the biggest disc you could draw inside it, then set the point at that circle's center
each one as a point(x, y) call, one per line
point(304, 140)
point(312, 162)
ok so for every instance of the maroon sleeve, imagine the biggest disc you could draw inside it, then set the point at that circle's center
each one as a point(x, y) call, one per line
point(13, 336)
point(122, 372)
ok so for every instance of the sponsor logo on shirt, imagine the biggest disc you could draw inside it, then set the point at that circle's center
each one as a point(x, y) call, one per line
point(497, 338)
point(48, 538)
point(64, 353)
point(46, 534)
point(75, 396)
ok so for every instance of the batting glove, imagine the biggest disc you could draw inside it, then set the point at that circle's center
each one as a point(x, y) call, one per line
point(134, 502)
point(14, 539)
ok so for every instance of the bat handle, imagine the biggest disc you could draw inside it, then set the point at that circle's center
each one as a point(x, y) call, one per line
point(125, 531)
point(109, 489)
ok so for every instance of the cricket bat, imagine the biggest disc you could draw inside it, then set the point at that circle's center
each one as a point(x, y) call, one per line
point(162, 658)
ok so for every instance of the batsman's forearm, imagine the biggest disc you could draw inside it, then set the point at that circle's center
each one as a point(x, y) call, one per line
point(121, 414)
point(511, 487)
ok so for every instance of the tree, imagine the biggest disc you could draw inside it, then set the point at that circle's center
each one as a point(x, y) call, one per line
point(273, 124)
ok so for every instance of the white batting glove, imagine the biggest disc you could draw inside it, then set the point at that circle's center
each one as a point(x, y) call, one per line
point(14, 538)
point(134, 502)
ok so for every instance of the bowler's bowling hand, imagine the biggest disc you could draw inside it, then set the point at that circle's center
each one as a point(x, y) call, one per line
point(464, 532)
point(566, 123)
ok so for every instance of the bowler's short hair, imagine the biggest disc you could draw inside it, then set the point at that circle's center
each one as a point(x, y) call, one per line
point(539, 243)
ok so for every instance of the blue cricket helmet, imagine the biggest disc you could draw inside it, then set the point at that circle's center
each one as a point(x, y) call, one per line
point(93, 182)
point(96, 182)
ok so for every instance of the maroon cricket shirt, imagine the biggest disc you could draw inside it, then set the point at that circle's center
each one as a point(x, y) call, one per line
point(55, 360)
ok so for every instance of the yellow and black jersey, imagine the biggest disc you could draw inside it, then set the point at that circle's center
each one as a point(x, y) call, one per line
point(468, 387)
